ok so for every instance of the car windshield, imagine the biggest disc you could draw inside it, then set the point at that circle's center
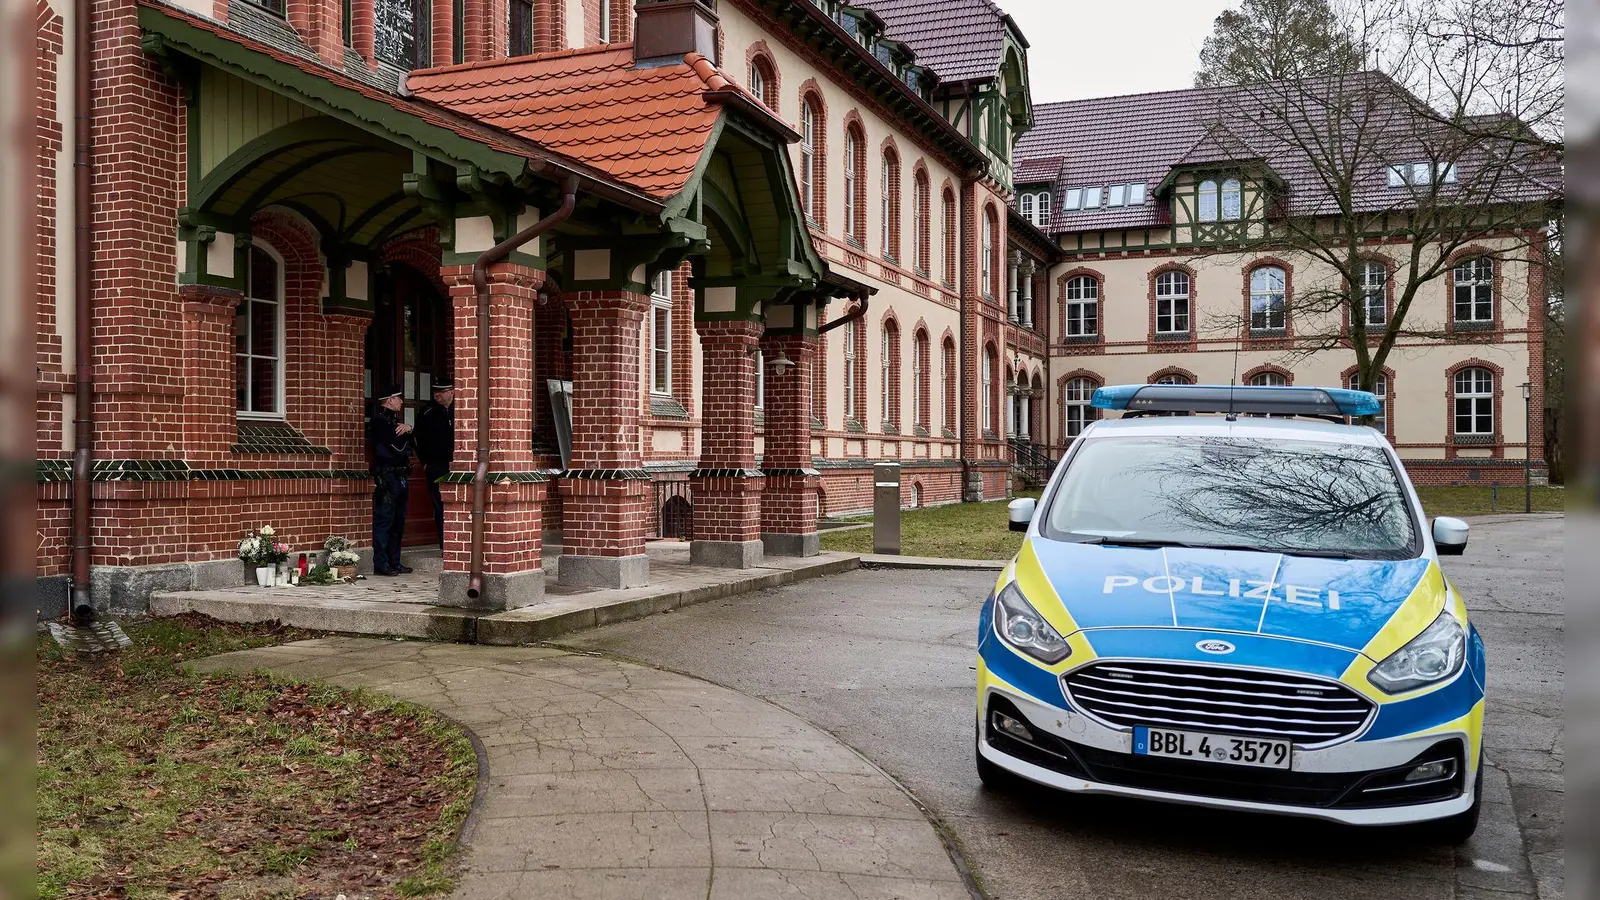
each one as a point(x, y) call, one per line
point(1284, 496)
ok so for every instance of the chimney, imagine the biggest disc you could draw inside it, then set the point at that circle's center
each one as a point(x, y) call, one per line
point(665, 30)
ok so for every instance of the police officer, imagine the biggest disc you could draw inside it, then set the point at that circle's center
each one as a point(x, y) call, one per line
point(391, 471)
point(436, 443)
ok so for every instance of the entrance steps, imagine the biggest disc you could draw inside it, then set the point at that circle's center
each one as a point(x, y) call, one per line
point(407, 605)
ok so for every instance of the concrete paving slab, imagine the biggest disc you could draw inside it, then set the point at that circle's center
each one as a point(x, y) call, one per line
point(611, 780)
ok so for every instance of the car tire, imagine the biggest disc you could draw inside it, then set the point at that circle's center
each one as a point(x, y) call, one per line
point(994, 778)
point(1457, 829)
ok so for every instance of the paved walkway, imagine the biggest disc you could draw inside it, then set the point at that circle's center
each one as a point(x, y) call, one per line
point(612, 780)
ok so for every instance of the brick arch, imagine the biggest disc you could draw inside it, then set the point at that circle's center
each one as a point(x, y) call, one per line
point(1268, 368)
point(421, 251)
point(922, 345)
point(1172, 370)
point(759, 53)
point(950, 409)
point(918, 493)
point(1098, 339)
point(855, 226)
point(922, 208)
point(1090, 414)
point(889, 154)
point(996, 288)
point(811, 92)
point(1497, 326)
point(1497, 439)
point(1178, 340)
point(949, 232)
point(891, 411)
point(991, 353)
point(1288, 300)
point(1388, 396)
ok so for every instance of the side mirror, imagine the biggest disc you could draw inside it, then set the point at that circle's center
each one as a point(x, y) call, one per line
point(1020, 513)
point(1450, 535)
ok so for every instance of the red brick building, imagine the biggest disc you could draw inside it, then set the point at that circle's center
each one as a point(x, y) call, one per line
point(287, 201)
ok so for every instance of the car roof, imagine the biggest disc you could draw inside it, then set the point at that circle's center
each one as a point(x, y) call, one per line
point(1242, 427)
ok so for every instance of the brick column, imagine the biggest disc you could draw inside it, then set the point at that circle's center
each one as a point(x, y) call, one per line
point(514, 502)
point(606, 493)
point(209, 417)
point(727, 486)
point(789, 498)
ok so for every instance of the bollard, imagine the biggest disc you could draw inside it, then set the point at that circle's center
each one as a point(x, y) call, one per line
point(1494, 498)
point(886, 508)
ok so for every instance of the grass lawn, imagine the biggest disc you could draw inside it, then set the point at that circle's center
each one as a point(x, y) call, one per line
point(153, 782)
point(978, 530)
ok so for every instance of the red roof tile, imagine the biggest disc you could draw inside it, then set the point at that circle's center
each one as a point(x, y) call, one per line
point(647, 127)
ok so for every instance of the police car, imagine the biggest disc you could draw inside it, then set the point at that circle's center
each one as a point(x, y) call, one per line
point(1231, 597)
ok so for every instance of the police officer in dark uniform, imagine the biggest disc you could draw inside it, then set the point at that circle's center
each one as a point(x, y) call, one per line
point(436, 443)
point(391, 470)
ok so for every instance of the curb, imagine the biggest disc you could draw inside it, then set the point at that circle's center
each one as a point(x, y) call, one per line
point(885, 561)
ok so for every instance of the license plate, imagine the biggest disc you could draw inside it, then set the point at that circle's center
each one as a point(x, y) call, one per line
point(1217, 748)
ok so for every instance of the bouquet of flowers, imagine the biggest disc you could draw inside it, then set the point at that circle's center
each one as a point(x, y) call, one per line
point(339, 552)
point(259, 548)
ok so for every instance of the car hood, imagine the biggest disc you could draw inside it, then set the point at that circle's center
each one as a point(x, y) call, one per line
point(1342, 603)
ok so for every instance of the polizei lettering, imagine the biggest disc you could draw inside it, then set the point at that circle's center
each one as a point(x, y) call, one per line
point(1243, 588)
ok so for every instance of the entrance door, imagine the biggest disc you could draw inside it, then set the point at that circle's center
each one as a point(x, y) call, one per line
point(409, 344)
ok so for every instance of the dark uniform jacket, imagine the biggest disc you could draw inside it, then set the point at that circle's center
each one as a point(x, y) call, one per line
point(389, 450)
point(436, 436)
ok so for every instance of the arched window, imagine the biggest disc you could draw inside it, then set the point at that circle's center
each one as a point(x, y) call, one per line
point(605, 21)
point(1268, 293)
point(947, 378)
point(401, 33)
point(764, 80)
point(811, 137)
point(1083, 307)
point(1474, 291)
point(1380, 387)
point(986, 394)
point(1019, 406)
point(1269, 379)
point(855, 219)
point(1207, 211)
point(1172, 303)
point(1075, 396)
point(1231, 196)
point(1374, 294)
point(1474, 401)
point(661, 333)
point(258, 336)
point(988, 267)
point(950, 236)
point(1035, 406)
point(891, 206)
point(919, 379)
point(920, 211)
point(850, 372)
point(1172, 378)
point(1025, 206)
point(890, 364)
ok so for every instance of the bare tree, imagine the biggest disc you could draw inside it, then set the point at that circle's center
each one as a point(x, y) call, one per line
point(1382, 177)
point(1268, 40)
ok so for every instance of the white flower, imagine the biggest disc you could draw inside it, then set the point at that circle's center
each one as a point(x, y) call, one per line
point(266, 531)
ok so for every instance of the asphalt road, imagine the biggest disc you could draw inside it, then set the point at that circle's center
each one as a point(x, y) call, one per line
point(884, 660)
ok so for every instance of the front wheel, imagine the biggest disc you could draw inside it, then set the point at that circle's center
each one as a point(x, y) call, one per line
point(1459, 828)
point(994, 778)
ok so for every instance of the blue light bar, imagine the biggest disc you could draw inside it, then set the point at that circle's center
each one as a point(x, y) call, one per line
point(1198, 398)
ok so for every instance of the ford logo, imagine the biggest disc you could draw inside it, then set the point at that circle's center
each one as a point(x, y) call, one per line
point(1215, 647)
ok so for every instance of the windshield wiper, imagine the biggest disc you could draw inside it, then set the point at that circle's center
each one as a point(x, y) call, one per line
point(1252, 548)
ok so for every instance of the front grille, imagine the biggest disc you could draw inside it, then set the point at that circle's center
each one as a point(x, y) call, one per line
point(1306, 711)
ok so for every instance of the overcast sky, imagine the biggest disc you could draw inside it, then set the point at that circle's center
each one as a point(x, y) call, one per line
point(1081, 49)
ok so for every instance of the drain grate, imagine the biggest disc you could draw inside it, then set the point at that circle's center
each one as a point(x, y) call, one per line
point(98, 637)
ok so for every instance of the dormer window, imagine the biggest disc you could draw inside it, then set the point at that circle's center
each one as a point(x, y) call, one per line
point(1117, 195)
point(1091, 198)
point(1072, 199)
point(1207, 208)
point(1419, 174)
point(1231, 196)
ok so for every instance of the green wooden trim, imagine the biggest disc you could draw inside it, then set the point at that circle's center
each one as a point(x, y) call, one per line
point(322, 94)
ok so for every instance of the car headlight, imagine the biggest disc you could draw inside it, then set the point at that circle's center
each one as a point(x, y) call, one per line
point(1021, 626)
point(1434, 655)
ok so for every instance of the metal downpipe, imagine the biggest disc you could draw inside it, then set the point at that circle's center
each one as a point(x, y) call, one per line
point(480, 284)
point(80, 605)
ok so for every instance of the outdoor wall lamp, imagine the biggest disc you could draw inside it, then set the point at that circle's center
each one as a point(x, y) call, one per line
point(782, 364)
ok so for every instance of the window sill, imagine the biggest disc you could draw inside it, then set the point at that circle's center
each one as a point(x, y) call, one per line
point(1260, 334)
point(1473, 325)
point(666, 406)
point(274, 436)
point(1174, 335)
point(920, 431)
point(890, 428)
point(1081, 339)
point(852, 425)
point(1472, 440)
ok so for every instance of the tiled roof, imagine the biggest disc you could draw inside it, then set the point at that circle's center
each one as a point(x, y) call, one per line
point(957, 39)
point(1141, 137)
point(646, 127)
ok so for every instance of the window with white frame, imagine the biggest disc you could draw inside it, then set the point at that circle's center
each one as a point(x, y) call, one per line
point(1380, 388)
point(1268, 299)
point(919, 371)
point(947, 380)
point(850, 371)
point(1117, 195)
point(922, 240)
point(808, 157)
point(1269, 379)
point(258, 336)
point(605, 21)
point(1041, 209)
point(761, 379)
point(986, 400)
point(1375, 293)
point(890, 205)
point(758, 80)
point(986, 275)
point(1091, 198)
point(1232, 199)
point(887, 375)
point(1136, 194)
point(1076, 394)
point(852, 156)
point(1083, 307)
point(1172, 303)
point(1474, 291)
point(661, 333)
point(1207, 209)
point(1025, 204)
point(1474, 399)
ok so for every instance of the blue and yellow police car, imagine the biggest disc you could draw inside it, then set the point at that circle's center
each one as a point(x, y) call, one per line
point(1231, 597)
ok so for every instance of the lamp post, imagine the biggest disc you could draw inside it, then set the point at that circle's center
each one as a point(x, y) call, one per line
point(1527, 447)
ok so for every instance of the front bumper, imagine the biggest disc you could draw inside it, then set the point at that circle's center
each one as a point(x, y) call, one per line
point(1354, 783)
